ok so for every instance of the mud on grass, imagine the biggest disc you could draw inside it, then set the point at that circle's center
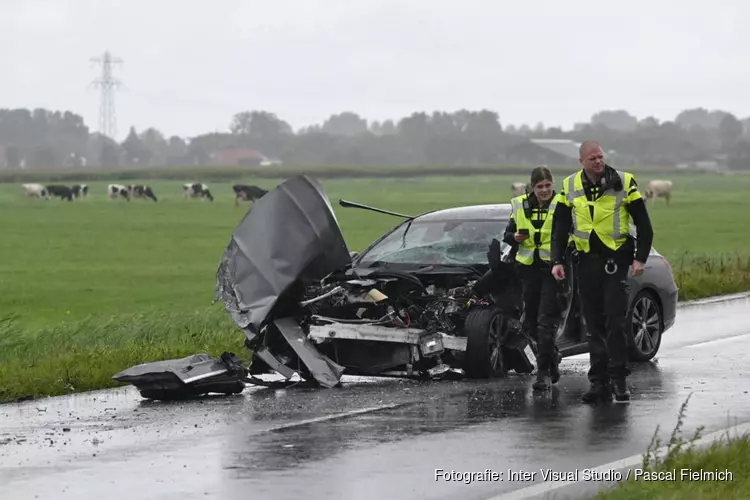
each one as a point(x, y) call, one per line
point(83, 354)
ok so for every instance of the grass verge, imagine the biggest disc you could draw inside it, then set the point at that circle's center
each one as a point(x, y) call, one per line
point(662, 476)
point(700, 276)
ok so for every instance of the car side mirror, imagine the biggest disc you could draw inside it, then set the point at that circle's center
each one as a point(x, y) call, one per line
point(495, 254)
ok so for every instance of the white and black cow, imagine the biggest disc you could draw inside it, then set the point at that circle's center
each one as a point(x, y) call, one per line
point(80, 190)
point(36, 191)
point(196, 190)
point(61, 191)
point(243, 192)
point(118, 191)
point(141, 191)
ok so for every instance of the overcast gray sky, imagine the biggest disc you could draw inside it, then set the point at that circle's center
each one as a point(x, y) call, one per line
point(190, 64)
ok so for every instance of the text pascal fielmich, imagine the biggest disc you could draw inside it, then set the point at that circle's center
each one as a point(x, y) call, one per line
point(583, 475)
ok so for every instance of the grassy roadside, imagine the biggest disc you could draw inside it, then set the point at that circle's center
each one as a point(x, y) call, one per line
point(662, 477)
point(56, 358)
point(83, 354)
point(700, 276)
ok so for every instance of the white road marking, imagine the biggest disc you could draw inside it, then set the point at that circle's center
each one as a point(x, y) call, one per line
point(717, 341)
point(333, 416)
point(635, 460)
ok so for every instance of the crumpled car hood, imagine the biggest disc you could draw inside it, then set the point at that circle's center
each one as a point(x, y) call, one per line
point(290, 234)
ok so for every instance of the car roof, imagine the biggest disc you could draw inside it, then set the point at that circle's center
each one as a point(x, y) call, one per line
point(490, 211)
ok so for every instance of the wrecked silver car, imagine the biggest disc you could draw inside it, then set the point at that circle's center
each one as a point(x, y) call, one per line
point(435, 296)
point(307, 305)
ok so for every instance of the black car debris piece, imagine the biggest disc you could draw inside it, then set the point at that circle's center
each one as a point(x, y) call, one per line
point(187, 377)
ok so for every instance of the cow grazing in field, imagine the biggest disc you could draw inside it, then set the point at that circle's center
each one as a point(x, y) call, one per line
point(63, 192)
point(196, 190)
point(80, 190)
point(118, 191)
point(141, 192)
point(36, 191)
point(243, 192)
point(659, 189)
point(518, 188)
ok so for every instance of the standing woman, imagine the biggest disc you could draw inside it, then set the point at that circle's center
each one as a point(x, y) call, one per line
point(529, 232)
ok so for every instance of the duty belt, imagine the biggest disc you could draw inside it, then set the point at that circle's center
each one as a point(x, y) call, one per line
point(610, 266)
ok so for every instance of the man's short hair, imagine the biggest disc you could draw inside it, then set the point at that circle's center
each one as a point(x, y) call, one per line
point(585, 145)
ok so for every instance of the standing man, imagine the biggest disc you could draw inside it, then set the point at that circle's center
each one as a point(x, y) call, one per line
point(529, 233)
point(596, 205)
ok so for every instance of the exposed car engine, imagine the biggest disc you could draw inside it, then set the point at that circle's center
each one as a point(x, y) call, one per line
point(395, 299)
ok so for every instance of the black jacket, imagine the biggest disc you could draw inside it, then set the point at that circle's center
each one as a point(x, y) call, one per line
point(563, 222)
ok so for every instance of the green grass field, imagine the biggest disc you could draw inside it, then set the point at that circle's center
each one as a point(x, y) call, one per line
point(94, 286)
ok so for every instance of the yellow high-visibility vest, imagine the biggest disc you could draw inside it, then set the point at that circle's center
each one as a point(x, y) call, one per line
point(525, 254)
point(611, 219)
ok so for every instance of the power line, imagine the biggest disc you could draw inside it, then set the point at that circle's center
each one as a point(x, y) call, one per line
point(107, 83)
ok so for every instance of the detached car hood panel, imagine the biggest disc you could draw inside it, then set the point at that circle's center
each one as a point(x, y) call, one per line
point(291, 234)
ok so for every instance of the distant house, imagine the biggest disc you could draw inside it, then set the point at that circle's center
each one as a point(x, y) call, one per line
point(237, 156)
point(544, 152)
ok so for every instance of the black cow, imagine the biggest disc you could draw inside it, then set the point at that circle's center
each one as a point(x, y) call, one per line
point(140, 191)
point(196, 190)
point(63, 192)
point(80, 190)
point(247, 193)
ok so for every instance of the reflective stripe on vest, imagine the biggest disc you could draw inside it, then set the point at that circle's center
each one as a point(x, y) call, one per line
point(581, 211)
point(525, 254)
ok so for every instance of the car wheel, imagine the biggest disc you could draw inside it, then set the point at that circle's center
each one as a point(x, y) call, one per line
point(646, 327)
point(484, 330)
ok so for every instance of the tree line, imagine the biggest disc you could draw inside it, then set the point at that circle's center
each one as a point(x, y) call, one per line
point(47, 139)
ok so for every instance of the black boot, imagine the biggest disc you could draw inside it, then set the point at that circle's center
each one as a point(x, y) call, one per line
point(620, 388)
point(598, 391)
point(543, 381)
point(555, 370)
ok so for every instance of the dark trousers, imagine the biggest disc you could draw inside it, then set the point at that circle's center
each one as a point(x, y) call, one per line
point(604, 306)
point(542, 311)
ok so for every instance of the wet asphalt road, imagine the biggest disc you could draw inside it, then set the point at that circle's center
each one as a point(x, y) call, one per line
point(374, 438)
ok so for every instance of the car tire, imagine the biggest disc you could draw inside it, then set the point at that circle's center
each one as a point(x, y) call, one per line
point(484, 330)
point(646, 325)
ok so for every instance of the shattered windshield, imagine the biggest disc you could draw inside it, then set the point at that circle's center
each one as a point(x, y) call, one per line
point(437, 242)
